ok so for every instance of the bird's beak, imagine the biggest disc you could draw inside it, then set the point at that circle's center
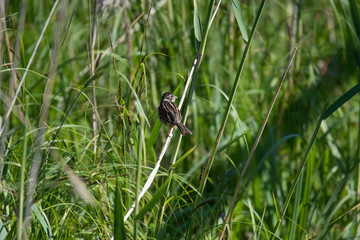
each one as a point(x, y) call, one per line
point(175, 96)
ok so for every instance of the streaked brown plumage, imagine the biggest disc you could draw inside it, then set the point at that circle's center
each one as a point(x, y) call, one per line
point(169, 113)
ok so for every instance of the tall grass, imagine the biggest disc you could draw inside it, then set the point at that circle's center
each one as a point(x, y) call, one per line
point(80, 83)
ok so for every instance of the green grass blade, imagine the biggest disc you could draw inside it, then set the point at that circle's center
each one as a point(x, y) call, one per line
point(237, 11)
point(153, 136)
point(197, 26)
point(354, 11)
point(22, 180)
point(332, 208)
point(42, 218)
point(184, 156)
point(296, 208)
point(306, 193)
point(119, 226)
point(275, 205)
point(228, 144)
point(342, 100)
point(152, 203)
point(3, 232)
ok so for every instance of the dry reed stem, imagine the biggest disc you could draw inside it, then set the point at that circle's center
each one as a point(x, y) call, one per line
point(92, 70)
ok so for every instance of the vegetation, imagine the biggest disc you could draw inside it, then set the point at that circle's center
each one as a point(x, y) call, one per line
point(80, 83)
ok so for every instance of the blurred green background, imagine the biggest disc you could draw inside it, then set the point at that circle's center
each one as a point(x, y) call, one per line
point(85, 116)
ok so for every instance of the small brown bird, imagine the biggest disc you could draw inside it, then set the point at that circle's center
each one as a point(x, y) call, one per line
point(169, 113)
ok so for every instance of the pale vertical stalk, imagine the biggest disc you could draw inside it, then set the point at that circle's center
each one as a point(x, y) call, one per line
point(231, 39)
point(92, 70)
point(2, 36)
point(6, 36)
point(2, 30)
point(130, 41)
point(3, 33)
point(293, 38)
point(140, 158)
point(20, 31)
point(22, 181)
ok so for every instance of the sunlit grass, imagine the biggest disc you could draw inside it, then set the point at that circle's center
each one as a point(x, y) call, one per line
point(88, 177)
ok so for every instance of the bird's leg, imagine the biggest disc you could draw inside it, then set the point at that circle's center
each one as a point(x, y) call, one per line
point(170, 133)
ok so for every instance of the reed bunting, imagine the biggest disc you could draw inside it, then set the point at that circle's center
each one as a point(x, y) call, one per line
point(169, 113)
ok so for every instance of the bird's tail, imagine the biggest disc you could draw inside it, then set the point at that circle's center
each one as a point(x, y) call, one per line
point(183, 130)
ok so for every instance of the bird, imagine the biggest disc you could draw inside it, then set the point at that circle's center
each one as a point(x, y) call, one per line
point(169, 113)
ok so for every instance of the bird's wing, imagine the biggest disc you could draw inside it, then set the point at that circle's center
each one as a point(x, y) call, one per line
point(173, 111)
